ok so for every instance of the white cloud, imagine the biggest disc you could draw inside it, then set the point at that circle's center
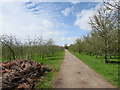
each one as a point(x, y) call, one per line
point(67, 11)
point(32, 27)
point(44, 26)
point(83, 19)
point(0, 21)
point(68, 40)
point(48, 24)
point(75, 1)
point(24, 24)
point(14, 1)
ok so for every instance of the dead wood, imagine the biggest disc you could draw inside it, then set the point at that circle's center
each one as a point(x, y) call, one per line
point(21, 74)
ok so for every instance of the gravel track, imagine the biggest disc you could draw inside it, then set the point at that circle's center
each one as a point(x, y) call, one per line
point(76, 74)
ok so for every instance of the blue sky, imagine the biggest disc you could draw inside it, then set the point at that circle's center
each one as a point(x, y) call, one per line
point(61, 21)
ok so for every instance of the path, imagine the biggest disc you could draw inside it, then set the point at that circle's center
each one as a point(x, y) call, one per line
point(75, 74)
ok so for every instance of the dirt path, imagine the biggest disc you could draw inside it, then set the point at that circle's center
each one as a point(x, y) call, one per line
point(76, 74)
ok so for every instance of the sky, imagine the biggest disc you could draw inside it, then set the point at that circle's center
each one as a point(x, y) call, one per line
point(61, 21)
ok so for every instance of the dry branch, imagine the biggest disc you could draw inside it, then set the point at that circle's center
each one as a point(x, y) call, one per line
point(21, 74)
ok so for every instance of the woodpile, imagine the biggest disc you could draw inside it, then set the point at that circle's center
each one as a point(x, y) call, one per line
point(21, 74)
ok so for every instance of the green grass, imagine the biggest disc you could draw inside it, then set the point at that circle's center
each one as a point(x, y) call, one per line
point(53, 62)
point(107, 71)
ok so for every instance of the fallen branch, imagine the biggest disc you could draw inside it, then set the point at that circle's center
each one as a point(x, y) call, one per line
point(21, 74)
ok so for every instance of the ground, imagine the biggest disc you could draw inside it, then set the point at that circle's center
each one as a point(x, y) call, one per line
point(76, 74)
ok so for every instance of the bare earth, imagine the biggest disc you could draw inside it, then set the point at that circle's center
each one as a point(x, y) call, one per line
point(75, 74)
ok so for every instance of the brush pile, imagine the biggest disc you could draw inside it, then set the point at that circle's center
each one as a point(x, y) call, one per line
point(21, 74)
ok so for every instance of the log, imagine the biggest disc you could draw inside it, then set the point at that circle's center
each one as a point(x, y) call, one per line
point(21, 74)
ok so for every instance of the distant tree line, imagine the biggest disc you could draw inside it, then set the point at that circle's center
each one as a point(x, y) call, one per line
point(103, 40)
point(13, 48)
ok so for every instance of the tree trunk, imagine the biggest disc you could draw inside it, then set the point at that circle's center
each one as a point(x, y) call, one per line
point(52, 53)
point(21, 52)
point(79, 52)
point(43, 57)
point(96, 56)
point(105, 59)
point(105, 56)
point(13, 54)
point(110, 57)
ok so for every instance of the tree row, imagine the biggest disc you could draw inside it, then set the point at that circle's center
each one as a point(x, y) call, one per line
point(13, 48)
point(103, 40)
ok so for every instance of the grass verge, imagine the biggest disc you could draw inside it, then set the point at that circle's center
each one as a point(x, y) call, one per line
point(107, 71)
point(53, 62)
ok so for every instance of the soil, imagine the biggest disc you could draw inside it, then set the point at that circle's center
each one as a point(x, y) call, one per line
point(76, 74)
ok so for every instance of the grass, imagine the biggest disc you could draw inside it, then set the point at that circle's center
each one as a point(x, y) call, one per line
point(107, 71)
point(53, 62)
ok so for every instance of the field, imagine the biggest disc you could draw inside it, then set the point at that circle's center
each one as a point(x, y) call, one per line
point(53, 62)
point(107, 71)
point(80, 40)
